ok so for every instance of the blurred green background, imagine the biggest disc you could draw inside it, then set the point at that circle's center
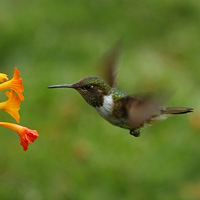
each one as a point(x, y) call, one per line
point(80, 156)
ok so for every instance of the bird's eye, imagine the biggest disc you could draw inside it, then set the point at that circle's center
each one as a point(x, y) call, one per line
point(88, 86)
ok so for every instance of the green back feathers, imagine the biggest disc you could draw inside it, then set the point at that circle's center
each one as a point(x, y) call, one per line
point(117, 94)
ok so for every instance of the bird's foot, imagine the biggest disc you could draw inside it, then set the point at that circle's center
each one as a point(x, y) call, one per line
point(135, 132)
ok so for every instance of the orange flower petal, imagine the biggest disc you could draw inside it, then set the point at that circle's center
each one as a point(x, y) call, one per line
point(16, 84)
point(3, 77)
point(26, 135)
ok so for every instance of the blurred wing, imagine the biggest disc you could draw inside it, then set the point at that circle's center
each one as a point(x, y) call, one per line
point(111, 65)
point(139, 111)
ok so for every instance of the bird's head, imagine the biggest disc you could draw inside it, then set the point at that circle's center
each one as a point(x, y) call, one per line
point(92, 89)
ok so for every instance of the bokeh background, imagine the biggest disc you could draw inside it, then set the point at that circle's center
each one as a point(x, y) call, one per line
point(80, 156)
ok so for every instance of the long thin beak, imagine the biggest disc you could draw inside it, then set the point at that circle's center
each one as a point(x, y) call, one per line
point(62, 86)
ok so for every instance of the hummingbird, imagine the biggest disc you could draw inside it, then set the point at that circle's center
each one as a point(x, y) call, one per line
point(117, 107)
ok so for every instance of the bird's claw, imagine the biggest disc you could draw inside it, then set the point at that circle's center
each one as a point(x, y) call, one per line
point(135, 132)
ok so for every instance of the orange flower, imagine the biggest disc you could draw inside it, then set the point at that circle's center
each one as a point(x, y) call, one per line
point(15, 84)
point(27, 136)
point(12, 105)
point(3, 78)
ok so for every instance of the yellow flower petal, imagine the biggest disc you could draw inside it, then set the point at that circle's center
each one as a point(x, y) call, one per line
point(12, 105)
point(3, 78)
point(15, 84)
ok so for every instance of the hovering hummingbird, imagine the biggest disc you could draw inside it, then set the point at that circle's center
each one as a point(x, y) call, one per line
point(117, 107)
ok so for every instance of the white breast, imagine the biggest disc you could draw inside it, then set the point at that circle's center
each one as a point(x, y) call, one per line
point(106, 109)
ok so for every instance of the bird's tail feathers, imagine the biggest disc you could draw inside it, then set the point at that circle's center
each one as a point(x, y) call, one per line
point(167, 112)
point(176, 110)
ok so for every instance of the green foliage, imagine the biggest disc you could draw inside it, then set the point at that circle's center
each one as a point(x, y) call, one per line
point(79, 155)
